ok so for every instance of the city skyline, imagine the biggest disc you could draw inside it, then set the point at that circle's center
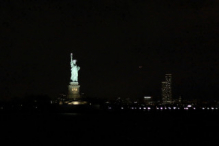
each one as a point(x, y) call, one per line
point(123, 48)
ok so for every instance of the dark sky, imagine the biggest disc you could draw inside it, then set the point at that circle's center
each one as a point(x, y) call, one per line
point(110, 40)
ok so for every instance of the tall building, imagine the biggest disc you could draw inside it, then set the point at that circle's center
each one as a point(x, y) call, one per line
point(163, 91)
point(167, 89)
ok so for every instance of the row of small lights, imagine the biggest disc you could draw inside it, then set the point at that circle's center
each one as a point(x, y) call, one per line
point(169, 108)
point(212, 108)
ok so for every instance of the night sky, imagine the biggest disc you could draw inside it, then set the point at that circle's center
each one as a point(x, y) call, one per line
point(124, 47)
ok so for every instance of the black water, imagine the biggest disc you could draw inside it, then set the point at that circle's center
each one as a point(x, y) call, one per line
point(154, 128)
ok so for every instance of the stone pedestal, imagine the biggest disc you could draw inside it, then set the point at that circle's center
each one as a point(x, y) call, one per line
point(74, 91)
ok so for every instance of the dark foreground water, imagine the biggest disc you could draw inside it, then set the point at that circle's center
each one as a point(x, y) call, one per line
point(158, 128)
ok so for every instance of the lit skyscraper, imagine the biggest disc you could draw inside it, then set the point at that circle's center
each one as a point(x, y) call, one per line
point(167, 89)
point(163, 89)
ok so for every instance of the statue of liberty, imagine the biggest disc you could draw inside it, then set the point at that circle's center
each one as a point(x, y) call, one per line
point(74, 70)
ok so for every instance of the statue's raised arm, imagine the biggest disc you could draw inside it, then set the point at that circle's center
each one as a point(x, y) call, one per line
point(71, 62)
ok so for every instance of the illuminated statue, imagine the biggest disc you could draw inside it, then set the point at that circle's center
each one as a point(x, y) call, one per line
point(74, 70)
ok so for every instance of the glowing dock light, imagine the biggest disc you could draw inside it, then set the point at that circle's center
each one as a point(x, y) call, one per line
point(139, 107)
point(147, 97)
point(161, 108)
point(194, 108)
point(174, 108)
point(208, 108)
point(122, 108)
point(212, 108)
point(203, 108)
point(169, 108)
point(149, 108)
point(144, 108)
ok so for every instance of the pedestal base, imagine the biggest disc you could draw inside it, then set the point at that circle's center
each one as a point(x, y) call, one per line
point(73, 91)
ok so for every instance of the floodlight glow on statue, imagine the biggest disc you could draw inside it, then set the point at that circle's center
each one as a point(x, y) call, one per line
point(74, 96)
point(74, 70)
